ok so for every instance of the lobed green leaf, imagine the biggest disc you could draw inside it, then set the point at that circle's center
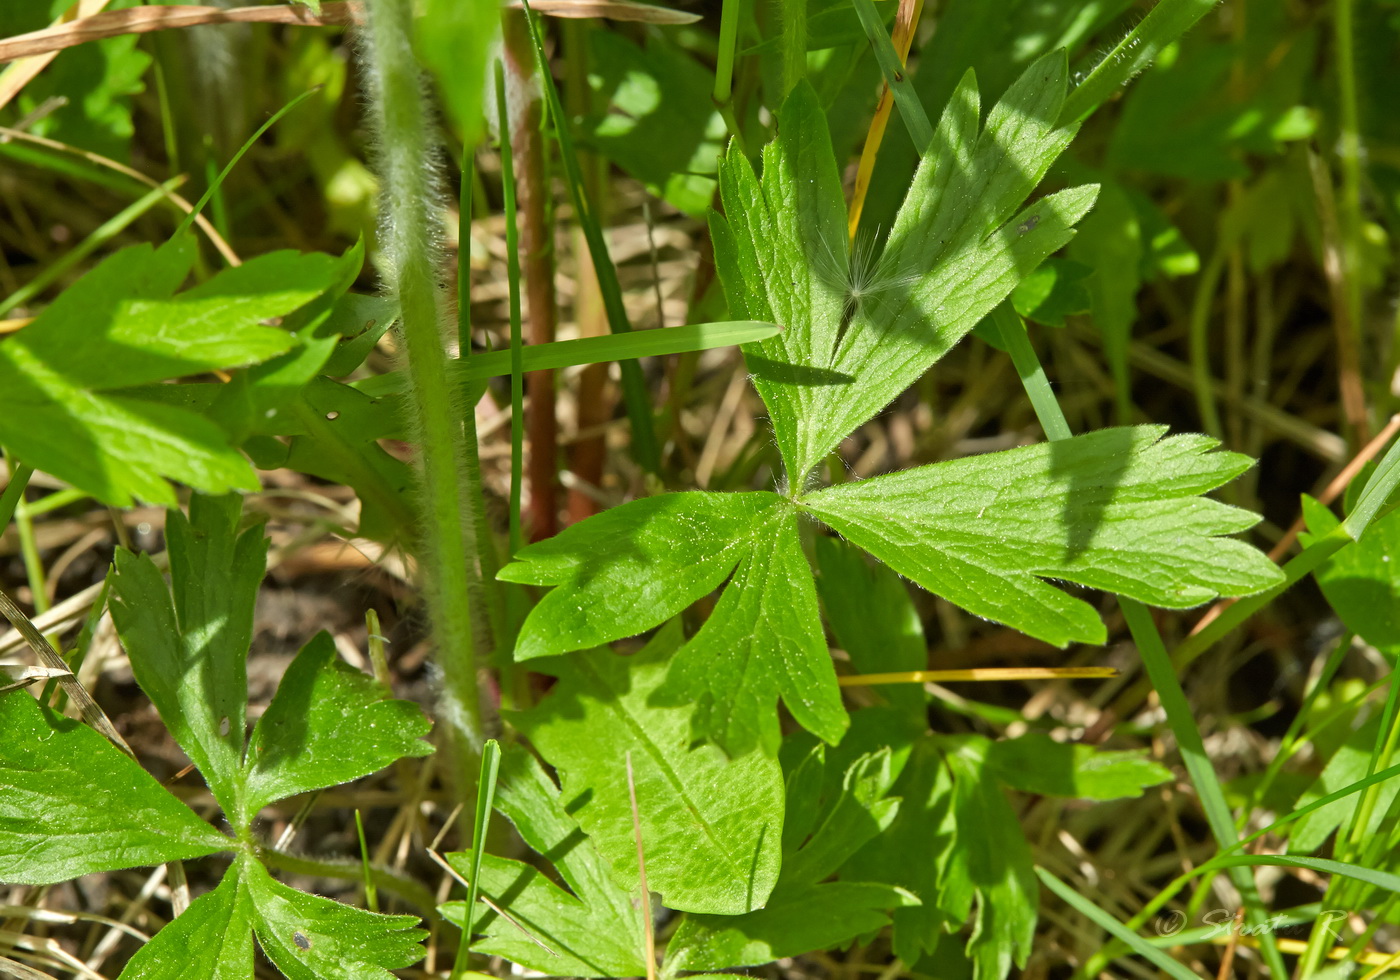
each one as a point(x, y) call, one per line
point(72, 804)
point(594, 932)
point(1116, 510)
point(710, 825)
point(328, 724)
point(188, 643)
point(122, 324)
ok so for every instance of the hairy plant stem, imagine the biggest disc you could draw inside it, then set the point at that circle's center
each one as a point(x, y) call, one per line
point(409, 264)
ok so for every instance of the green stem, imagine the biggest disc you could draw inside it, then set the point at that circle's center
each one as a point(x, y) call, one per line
point(1153, 651)
point(409, 202)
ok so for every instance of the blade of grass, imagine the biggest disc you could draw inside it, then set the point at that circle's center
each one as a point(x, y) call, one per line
point(248, 145)
point(1151, 648)
point(588, 350)
point(367, 879)
point(19, 479)
point(517, 361)
point(1115, 928)
point(100, 236)
point(723, 92)
point(9, 137)
point(645, 449)
point(481, 820)
point(911, 110)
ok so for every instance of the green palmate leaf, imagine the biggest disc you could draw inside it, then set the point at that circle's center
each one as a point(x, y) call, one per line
point(1117, 510)
point(1037, 763)
point(594, 932)
point(189, 650)
point(123, 324)
point(634, 567)
point(328, 723)
point(856, 331)
point(71, 803)
point(711, 826)
point(313, 938)
point(211, 940)
point(763, 641)
point(806, 912)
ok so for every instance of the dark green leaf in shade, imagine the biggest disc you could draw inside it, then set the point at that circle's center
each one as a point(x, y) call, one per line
point(1057, 289)
point(1116, 509)
point(1349, 764)
point(660, 123)
point(1362, 581)
point(711, 825)
point(872, 618)
point(915, 853)
point(71, 803)
point(995, 861)
point(328, 724)
point(1037, 763)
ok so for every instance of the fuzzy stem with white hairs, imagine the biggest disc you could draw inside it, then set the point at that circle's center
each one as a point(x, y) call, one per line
point(409, 206)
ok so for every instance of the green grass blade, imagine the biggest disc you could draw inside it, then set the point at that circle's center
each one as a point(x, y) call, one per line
point(1164, 24)
point(100, 236)
point(1112, 926)
point(515, 353)
point(19, 479)
point(1371, 876)
point(485, 800)
point(228, 168)
point(634, 393)
point(590, 350)
point(371, 890)
point(911, 110)
point(1377, 492)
